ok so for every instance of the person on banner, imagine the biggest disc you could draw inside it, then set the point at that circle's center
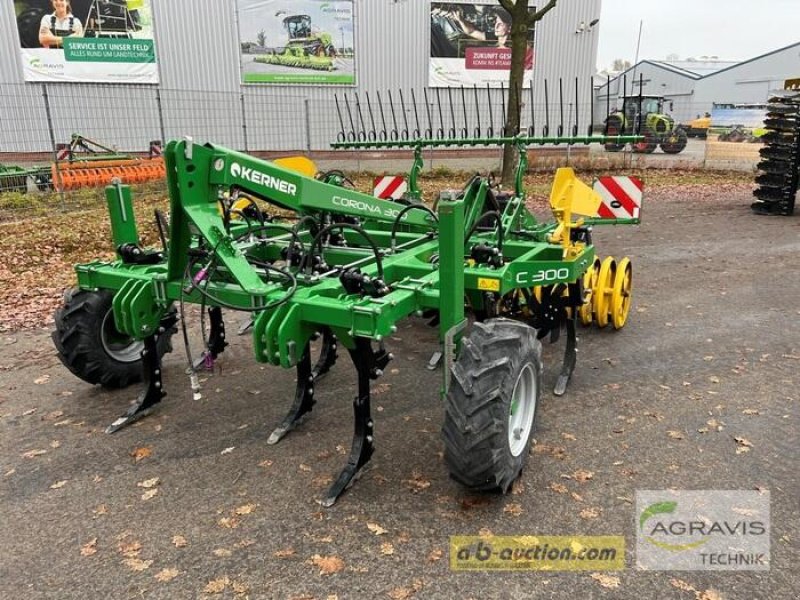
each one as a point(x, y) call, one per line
point(500, 36)
point(58, 25)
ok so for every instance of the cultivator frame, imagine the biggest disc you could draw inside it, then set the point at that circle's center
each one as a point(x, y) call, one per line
point(348, 270)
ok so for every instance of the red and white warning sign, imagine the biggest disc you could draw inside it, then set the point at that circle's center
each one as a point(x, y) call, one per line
point(621, 197)
point(389, 187)
point(63, 152)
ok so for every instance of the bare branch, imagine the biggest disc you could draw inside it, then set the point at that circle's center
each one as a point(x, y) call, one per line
point(537, 16)
point(508, 5)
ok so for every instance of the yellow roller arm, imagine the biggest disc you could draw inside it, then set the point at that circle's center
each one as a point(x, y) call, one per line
point(570, 195)
point(301, 164)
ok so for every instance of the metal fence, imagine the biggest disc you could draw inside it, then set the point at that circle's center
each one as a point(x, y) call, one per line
point(36, 119)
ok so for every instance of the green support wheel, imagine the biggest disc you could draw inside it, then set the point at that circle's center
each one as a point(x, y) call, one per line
point(89, 344)
point(491, 407)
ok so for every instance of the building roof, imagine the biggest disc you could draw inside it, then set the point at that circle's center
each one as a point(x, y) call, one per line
point(697, 67)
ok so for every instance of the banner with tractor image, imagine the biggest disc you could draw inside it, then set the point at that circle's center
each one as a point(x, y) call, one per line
point(735, 132)
point(471, 45)
point(87, 41)
point(296, 41)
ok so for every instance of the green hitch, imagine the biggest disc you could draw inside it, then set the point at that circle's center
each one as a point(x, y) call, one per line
point(120, 209)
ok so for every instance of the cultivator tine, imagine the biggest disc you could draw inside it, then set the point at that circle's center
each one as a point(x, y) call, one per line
point(362, 132)
point(465, 130)
point(395, 134)
point(429, 130)
point(490, 129)
point(452, 132)
point(577, 111)
point(352, 136)
point(478, 130)
point(216, 340)
point(532, 126)
point(341, 136)
point(418, 130)
point(369, 365)
point(503, 109)
point(384, 135)
point(405, 132)
point(546, 130)
point(373, 135)
point(440, 131)
point(151, 374)
point(570, 355)
point(303, 398)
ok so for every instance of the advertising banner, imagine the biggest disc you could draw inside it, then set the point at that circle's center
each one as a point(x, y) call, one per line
point(87, 41)
point(471, 45)
point(296, 41)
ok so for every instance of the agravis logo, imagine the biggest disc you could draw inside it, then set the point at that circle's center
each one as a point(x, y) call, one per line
point(660, 508)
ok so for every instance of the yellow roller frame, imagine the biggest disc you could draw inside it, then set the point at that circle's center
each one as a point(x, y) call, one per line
point(589, 283)
point(601, 295)
point(621, 295)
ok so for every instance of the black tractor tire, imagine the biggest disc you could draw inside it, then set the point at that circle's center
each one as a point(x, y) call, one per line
point(500, 357)
point(646, 145)
point(614, 127)
point(675, 142)
point(91, 347)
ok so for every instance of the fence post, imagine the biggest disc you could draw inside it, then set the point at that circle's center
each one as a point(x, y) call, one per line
point(161, 117)
point(244, 122)
point(58, 182)
point(307, 115)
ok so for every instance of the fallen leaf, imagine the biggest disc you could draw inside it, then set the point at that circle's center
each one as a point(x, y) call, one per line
point(714, 379)
point(149, 483)
point(217, 586)
point(589, 513)
point(710, 594)
point(41, 380)
point(607, 581)
point(89, 548)
point(59, 484)
point(245, 509)
point(435, 555)
point(417, 483)
point(750, 411)
point(137, 564)
point(228, 522)
point(568, 436)
point(55, 444)
point(9, 473)
point(558, 488)
point(328, 565)
point(222, 552)
point(141, 453)
point(305, 468)
point(130, 549)
point(29, 412)
point(179, 541)
point(404, 593)
point(582, 476)
point(228, 450)
point(149, 494)
point(245, 543)
point(675, 435)
point(285, 553)
point(33, 453)
point(376, 529)
point(265, 463)
point(165, 575)
point(513, 509)
point(682, 585)
point(239, 588)
point(387, 549)
point(743, 442)
point(576, 497)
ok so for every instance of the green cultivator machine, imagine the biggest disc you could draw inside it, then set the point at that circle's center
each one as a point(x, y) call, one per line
point(344, 269)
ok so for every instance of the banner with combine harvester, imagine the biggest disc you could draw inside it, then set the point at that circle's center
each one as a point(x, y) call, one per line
point(296, 41)
point(471, 45)
point(87, 41)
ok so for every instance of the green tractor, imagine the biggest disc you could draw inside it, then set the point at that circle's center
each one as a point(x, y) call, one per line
point(644, 116)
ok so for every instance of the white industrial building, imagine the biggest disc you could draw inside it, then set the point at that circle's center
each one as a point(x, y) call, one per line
point(692, 88)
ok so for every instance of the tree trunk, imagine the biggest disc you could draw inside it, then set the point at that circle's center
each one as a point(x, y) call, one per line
point(519, 49)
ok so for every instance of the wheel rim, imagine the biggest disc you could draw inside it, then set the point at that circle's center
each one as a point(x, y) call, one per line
point(589, 283)
point(621, 297)
point(602, 291)
point(522, 411)
point(119, 346)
